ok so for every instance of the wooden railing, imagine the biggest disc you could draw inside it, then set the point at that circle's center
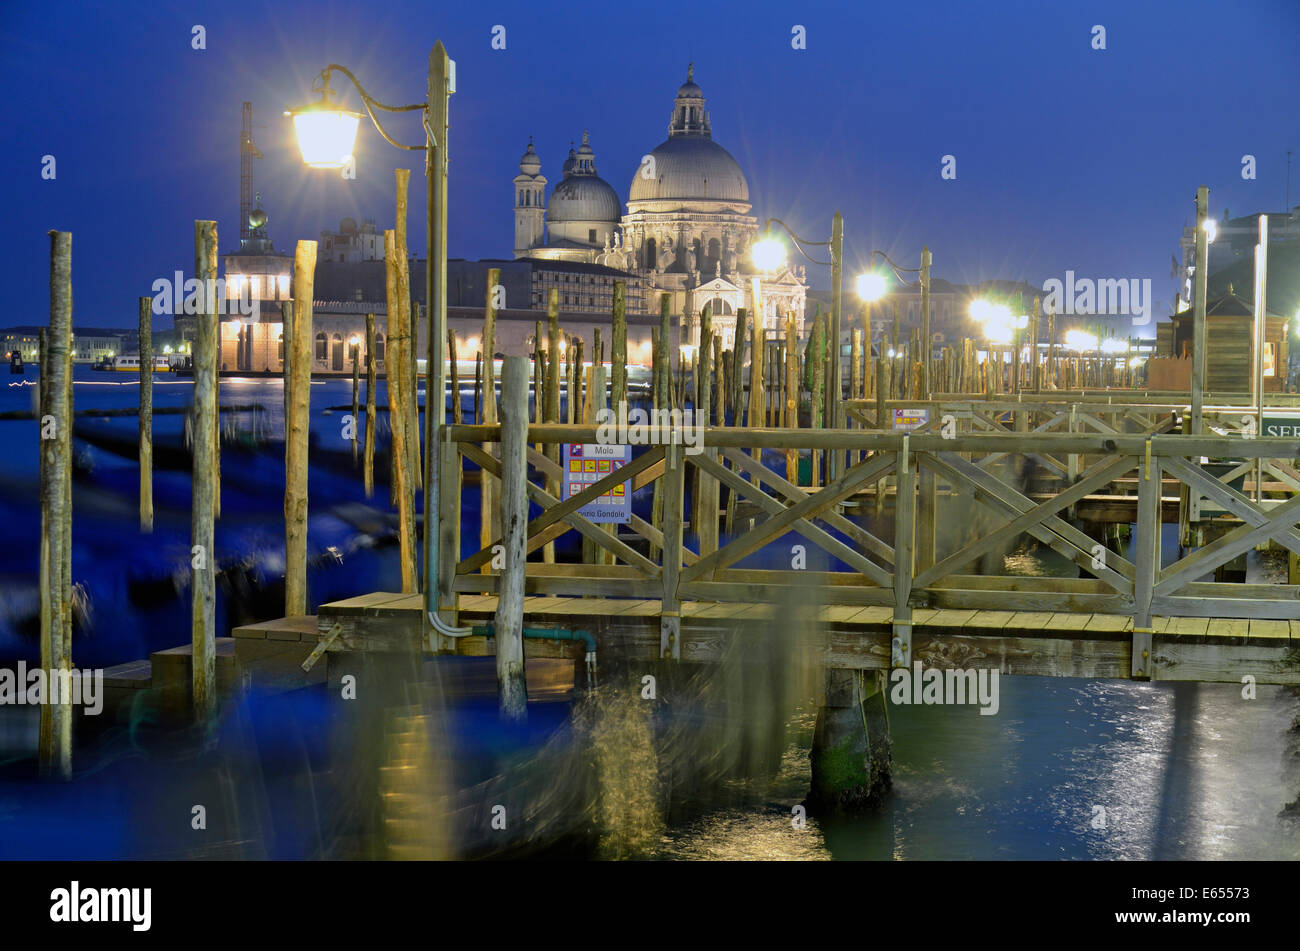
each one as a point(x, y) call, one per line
point(911, 558)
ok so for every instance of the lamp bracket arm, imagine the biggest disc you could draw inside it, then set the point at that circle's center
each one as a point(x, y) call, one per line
point(372, 104)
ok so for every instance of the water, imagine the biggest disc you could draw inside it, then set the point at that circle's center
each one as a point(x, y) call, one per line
point(1068, 769)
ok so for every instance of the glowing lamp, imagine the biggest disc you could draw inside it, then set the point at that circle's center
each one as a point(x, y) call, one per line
point(1080, 340)
point(326, 134)
point(871, 286)
point(768, 254)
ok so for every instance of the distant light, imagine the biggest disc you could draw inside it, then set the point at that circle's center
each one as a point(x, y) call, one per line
point(999, 333)
point(891, 354)
point(1080, 340)
point(1114, 345)
point(980, 309)
point(1211, 230)
point(326, 134)
point(872, 286)
point(768, 254)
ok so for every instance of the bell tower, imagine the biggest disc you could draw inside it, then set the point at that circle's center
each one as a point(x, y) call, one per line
point(530, 202)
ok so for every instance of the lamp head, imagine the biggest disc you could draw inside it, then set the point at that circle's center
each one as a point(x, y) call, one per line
point(326, 132)
point(768, 253)
point(872, 286)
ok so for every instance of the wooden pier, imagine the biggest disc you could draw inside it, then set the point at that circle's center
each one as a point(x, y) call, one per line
point(909, 593)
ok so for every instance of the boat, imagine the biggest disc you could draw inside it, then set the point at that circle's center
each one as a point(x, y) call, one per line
point(131, 364)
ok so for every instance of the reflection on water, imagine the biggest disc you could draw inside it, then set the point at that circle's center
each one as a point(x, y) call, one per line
point(1182, 771)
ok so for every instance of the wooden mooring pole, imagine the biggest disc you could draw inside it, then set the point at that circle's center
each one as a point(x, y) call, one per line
point(490, 506)
point(296, 426)
point(203, 588)
point(55, 427)
point(514, 521)
point(395, 374)
point(356, 394)
point(146, 415)
point(368, 452)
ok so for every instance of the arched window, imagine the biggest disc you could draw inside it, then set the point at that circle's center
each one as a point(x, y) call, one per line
point(337, 362)
point(720, 307)
point(379, 348)
point(651, 257)
point(715, 254)
point(321, 347)
point(281, 343)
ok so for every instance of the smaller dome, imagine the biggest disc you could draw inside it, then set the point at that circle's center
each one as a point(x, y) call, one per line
point(530, 163)
point(348, 226)
point(257, 218)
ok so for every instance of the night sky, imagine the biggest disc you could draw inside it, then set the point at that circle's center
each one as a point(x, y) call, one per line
point(1067, 157)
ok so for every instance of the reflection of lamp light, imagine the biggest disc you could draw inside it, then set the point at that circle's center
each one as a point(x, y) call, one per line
point(1113, 345)
point(1211, 230)
point(1137, 362)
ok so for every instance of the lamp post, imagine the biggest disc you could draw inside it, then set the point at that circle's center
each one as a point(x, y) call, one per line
point(764, 251)
point(326, 134)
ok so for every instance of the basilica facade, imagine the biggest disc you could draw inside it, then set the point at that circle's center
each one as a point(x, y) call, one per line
point(687, 229)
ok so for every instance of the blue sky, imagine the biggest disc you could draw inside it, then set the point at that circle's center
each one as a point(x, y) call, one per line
point(1066, 157)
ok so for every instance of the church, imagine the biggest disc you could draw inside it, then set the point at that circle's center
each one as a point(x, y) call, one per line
point(687, 229)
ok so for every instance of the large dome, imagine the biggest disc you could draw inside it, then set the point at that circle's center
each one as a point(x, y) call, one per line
point(583, 198)
point(691, 167)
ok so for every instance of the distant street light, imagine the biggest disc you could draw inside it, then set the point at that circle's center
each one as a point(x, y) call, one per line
point(1080, 341)
point(1211, 230)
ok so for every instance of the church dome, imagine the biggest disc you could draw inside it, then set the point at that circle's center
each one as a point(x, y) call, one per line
point(690, 165)
point(583, 198)
point(691, 168)
point(582, 195)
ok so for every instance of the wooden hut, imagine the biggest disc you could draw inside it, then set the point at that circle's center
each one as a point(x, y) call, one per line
point(1229, 334)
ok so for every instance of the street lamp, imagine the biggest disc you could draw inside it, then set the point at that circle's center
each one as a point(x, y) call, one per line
point(765, 251)
point(326, 135)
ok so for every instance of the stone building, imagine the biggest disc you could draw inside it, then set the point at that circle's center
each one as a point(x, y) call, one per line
point(687, 229)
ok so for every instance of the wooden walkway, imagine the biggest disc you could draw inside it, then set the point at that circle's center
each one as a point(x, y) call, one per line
point(1042, 643)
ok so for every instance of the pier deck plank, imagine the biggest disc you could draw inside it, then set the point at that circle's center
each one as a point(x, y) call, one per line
point(1076, 644)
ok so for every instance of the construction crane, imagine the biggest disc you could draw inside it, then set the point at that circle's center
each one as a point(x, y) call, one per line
point(248, 228)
